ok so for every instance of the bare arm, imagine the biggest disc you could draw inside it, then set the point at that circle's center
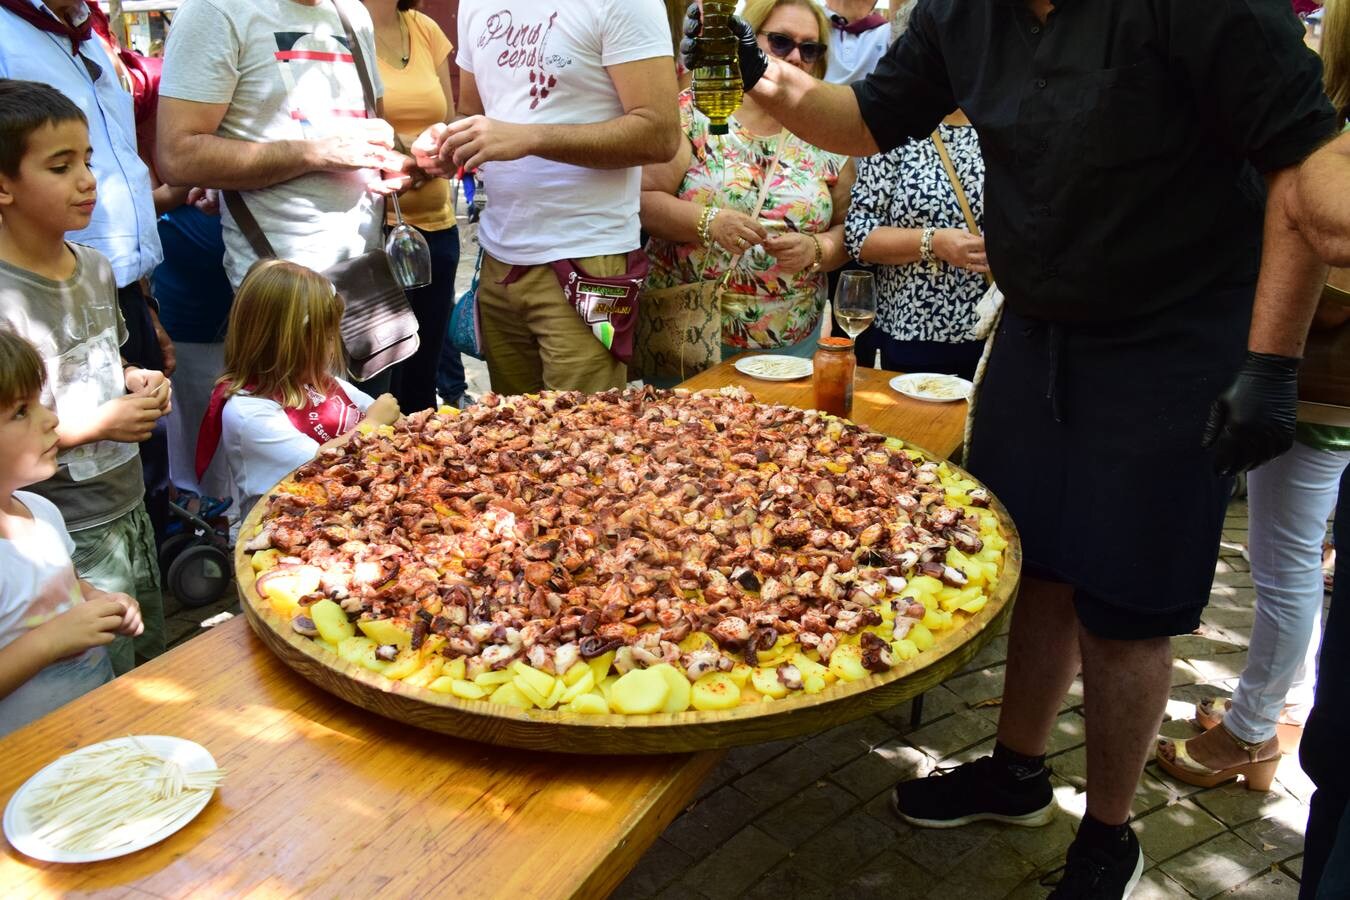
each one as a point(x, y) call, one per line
point(662, 213)
point(189, 152)
point(1320, 202)
point(646, 132)
point(819, 113)
point(1291, 278)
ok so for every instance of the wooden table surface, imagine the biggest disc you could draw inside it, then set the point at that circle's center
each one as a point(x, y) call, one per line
point(324, 799)
point(936, 427)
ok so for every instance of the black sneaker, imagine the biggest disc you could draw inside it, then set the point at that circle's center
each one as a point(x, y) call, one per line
point(975, 792)
point(1098, 874)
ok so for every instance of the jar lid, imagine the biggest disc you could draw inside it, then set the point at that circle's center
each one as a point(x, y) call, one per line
point(836, 343)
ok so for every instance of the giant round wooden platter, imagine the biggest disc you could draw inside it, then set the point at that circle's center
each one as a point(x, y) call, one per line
point(566, 732)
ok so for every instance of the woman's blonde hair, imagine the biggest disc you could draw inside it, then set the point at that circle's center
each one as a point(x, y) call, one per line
point(1336, 54)
point(283, 333)
point(757, 12)
point(22, 373)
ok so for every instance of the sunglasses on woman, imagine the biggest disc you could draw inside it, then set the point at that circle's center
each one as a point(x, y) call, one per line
point(781, 46)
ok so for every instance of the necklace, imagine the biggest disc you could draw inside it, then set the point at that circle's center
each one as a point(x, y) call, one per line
point(402, 42)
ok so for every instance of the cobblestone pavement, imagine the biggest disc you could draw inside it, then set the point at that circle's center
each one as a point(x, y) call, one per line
point(809, 818)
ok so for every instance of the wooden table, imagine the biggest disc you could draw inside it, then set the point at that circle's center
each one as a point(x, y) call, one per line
point(324, 799)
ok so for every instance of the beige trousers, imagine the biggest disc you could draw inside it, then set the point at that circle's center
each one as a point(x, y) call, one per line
point(535, 340)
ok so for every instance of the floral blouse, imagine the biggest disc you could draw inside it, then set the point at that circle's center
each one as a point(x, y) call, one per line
point(909, 188)
point(762, 308)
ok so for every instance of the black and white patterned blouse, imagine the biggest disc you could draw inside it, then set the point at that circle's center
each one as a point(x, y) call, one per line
point(909, 188)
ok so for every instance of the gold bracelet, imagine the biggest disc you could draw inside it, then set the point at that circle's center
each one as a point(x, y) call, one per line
point(820, 254)
point(705, 224)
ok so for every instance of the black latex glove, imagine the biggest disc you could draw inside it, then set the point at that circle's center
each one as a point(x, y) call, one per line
point(1253, 421)
point(753, 61)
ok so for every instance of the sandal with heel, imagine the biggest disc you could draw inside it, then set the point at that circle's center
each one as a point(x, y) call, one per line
point(1258, 773)
point(1209, 713)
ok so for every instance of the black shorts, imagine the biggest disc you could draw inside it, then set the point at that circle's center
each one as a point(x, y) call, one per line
point(1090, 435)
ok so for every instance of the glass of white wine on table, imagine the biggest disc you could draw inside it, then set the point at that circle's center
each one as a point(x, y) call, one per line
point(855, 302)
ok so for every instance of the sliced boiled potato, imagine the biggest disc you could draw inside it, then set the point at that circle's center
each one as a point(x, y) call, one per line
point(429, 672)
point(606, 684)
point(466, 690)
point(582, 685)
point(508, 695)
point(680, 691)
point(976, 604)
point(444, 685)
point(638, 692)
point(920, 635)
point(493, 677)
point(924, 585)
point(808, 666)
point(405, 664)
point(284, 590)
point(454, 668)
point(385, 631)
point(740, 673)
point(350, 649)
point(575, 674)
point(846, 663)
point(697, 640)
point(541, 682)
point(265, 559)
point(600, 665)
point(525, 687)
point(904, 649)
point(714, 691)
point(813, 683)
point(589, 705)
point(331, 621)
point(767, 683)
point(555, 696)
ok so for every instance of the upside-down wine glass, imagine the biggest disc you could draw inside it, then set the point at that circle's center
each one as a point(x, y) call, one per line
point(409, 255)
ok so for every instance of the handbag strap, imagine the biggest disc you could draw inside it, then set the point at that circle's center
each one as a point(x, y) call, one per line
point(359, 57)
point(961, 198)
point(763, 196)
point(243, 217)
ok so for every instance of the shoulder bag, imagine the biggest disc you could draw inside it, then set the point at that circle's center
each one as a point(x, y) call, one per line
point(990, 307)
point(379, 328)
point(679, 329)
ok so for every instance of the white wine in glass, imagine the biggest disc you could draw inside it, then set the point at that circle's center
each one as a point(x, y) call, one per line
point(855, 302)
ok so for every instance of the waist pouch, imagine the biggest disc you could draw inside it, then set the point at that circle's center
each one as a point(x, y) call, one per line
point(608, 304)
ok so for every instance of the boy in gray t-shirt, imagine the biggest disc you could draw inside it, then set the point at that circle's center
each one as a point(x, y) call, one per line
point(63, 298)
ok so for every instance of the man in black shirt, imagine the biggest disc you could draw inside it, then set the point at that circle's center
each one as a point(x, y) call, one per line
point(1130, 148)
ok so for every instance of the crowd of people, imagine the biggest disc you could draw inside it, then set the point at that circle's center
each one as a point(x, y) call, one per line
point(1160, 246)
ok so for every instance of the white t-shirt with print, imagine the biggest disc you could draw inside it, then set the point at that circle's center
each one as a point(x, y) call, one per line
point(37, 584)
point(542, 62)
point(261, 446)
point(287, 73)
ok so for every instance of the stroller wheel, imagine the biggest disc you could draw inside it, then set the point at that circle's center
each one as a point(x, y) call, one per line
point(199, 575)
point(170, 550)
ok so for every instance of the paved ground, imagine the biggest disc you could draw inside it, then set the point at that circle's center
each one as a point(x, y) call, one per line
point(808, 818)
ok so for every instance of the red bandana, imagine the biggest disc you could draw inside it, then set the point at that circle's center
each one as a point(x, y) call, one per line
point(44, 21)
point(323, 418)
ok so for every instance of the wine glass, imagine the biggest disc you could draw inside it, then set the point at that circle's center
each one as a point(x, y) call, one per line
point(855, 302)
point(409, 255)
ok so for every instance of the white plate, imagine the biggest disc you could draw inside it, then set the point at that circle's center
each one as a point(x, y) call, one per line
point(19, 826)
point(932, 387)
point(774, 368)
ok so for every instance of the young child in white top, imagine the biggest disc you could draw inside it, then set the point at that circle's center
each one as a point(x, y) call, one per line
point(53, 627)
point(278, 401)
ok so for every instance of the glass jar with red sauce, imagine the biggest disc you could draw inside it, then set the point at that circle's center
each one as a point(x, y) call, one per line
point(832, 376)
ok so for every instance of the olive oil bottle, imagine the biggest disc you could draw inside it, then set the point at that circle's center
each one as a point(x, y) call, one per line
point(717, 78)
